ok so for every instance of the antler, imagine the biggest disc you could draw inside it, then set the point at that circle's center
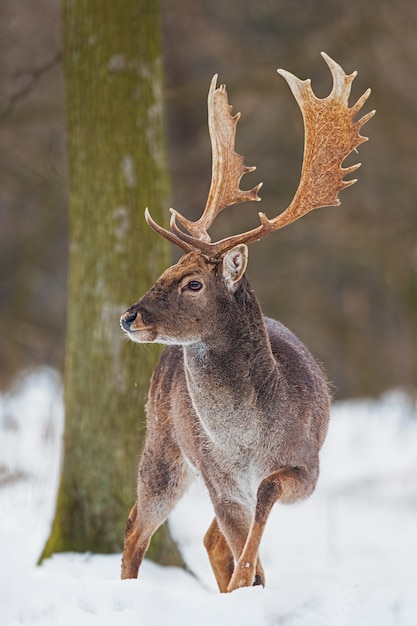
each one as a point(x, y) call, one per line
point(227, 168)
point(331, 134)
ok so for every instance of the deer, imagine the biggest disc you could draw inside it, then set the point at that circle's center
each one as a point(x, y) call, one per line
point(236, 397)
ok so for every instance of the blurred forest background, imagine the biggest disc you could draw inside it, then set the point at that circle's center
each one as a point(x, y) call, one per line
point(343, 279)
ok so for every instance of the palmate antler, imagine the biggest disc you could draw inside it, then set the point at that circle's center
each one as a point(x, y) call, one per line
point(331, 134)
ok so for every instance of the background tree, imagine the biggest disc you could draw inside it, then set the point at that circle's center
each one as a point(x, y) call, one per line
point(344, 279)
point(113, 78)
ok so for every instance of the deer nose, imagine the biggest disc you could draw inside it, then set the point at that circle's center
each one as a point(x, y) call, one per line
point(127, 319)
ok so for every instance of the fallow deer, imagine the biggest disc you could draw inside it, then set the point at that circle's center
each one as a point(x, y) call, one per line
point(236, 397)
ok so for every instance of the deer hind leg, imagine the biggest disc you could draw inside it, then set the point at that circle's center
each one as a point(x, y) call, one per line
point(220, 555)
point(288, 484)
point(225, 540)
point(221, 558)
point(161, 484)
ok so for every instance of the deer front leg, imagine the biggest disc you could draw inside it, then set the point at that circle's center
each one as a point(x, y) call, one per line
point(134, 547)
point(163, 478)
point(289, 485)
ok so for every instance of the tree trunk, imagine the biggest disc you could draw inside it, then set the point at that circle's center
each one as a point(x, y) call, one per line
point(117, 167)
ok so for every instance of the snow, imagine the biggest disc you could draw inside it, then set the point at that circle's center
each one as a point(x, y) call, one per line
point(347, 556)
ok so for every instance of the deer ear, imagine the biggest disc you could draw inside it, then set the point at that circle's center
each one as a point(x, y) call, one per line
point(234, 265)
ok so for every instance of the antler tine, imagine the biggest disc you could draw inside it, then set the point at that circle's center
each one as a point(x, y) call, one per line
point(331, 134)
point(166, 234)
point(227, 166)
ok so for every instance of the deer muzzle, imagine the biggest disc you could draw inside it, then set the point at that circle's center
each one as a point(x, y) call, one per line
point(127, 319)
point(133, 324)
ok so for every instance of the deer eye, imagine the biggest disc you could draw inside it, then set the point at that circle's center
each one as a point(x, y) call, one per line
point(194, 285)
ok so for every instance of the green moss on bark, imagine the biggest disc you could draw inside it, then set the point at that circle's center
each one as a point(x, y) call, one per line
point(117, 167)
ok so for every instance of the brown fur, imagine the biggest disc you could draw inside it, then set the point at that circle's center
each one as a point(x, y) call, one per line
point(237, 399)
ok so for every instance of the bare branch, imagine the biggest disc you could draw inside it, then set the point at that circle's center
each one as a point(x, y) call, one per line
point(34, 76)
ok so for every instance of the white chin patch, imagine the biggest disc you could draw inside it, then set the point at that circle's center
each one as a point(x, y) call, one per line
point(141, 336)
point(171, 341)
point(150, 337)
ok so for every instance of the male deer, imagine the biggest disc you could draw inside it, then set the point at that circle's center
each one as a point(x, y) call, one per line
point(236, 397)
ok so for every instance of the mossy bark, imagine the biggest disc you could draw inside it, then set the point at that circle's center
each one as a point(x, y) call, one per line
point(117, 167)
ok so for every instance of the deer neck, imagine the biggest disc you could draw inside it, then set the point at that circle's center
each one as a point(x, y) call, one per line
point(226, 371)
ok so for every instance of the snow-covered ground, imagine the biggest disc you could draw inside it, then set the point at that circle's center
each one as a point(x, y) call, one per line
point(347, 556)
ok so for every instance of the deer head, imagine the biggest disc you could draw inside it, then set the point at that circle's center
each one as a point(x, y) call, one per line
point(192, 290)
point(331, 134)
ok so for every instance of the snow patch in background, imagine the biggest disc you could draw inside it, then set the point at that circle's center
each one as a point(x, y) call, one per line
point(346, 556)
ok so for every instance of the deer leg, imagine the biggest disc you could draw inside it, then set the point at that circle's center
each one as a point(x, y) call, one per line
point(134, 548)
point(221, 558)
point(225, 540)
point(161, 484)
point(220, 555)
point(287, 484)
